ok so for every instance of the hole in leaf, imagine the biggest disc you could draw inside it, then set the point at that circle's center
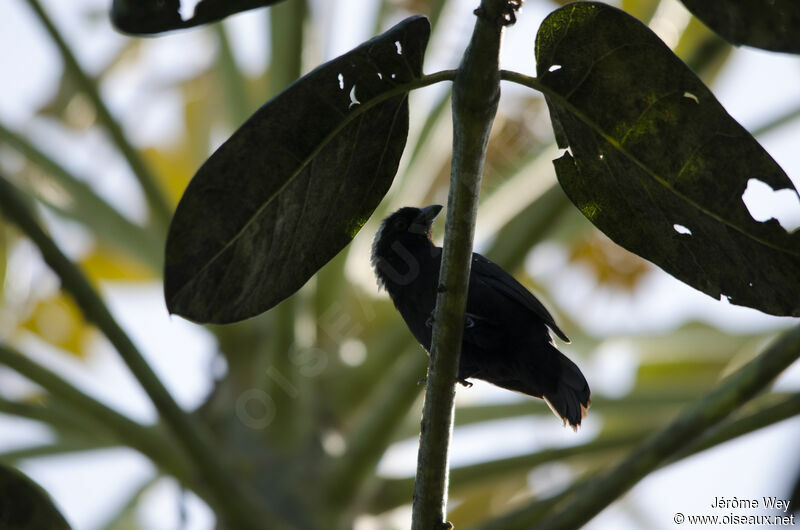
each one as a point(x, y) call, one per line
point(554, 67)
point(341, 82)
point(682, 229)
point(689, 95)
point(187, 8)
point(399, 47)
point(353, 99)
point(393, 76)
point(764, 204)
point(601, 156)
point(380, 75)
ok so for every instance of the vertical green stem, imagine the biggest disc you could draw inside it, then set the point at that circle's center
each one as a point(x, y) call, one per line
point(232, 79)
point(160, 208)
point(286, 30)
point(476, 92)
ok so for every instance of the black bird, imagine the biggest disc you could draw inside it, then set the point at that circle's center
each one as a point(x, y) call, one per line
point(506, 341)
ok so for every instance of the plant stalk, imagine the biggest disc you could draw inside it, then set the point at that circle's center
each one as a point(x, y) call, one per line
point(476, 92)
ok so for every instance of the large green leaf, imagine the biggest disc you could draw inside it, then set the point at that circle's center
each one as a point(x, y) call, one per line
point(143, 17)
point(295, 183)
point(657, 163)
point(772, 25)
point(26, 506)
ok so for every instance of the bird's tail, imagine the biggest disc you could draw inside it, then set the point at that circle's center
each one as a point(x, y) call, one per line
point(570, 399)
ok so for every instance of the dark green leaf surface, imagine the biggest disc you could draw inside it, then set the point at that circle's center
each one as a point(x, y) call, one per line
point(294, 184)
point(144, 17)
point(771, 25)
point(658, 164)
point(26, 506)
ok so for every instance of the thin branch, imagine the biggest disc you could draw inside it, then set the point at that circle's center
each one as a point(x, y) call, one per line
point(231, 78)
point(476, 92)
point(105, 418)
point(758, 419)
point(121, 519)
point(63, 420)
point(736, 390)
point(160, 207)
point(772, 408)
point(108, 224)
point(762, 416)
point(392, 493)
point(779, 121)
point(639, 404)
point(238, 505)
point(58, 448)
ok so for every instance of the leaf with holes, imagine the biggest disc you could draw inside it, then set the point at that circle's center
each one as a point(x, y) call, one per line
point(657, 163)
point(145, 17)
point(773, 25)
point(295, 183)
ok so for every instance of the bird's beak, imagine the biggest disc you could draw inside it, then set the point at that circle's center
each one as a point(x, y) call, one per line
point(422, 222)
point(428, 214)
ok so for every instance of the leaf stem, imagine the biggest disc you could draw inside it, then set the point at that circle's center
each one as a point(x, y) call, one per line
point(237, 505)
point(476, 92)
point(160, 208)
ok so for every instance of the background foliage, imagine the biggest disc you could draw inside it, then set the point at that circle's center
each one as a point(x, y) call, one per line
point(315, 392)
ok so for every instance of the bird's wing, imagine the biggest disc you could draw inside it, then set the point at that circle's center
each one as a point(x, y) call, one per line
point(491, 274)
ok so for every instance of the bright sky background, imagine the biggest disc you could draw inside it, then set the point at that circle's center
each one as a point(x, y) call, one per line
point(754, 87)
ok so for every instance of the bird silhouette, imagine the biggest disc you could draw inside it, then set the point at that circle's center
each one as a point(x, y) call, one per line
point(506, 339)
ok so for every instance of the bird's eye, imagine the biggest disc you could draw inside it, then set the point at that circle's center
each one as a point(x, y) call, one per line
point(400, 225)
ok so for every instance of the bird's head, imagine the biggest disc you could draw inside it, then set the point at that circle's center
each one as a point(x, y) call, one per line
point(401, 236)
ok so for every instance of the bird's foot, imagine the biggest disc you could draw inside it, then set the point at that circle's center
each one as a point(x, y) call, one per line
point(464, 382)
